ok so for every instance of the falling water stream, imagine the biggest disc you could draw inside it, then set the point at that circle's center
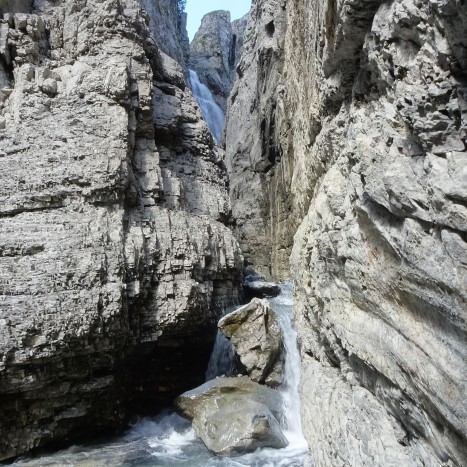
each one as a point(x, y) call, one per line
point(212, 113)
point(169, 441)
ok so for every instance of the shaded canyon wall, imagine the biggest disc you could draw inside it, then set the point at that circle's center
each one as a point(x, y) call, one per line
point(346, 147)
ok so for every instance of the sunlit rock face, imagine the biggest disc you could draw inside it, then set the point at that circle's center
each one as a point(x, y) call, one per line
point(115, 251)
point(215, 52)
point(348, 125)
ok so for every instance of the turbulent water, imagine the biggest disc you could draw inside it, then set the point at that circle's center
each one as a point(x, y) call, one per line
point(169, 440)
point(212, 113)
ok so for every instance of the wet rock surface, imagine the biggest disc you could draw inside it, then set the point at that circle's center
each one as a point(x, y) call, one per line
point(260, 289)
point(256, 335)
point(349, 122)
point(234, 415)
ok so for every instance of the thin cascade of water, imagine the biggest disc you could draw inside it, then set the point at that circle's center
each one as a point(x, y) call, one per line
point(212, 113)
point(283, 306)
point(222, 360)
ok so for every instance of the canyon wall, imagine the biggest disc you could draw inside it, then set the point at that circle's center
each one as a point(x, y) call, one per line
point(346, 146)
point(115, 251)
point(215, 52)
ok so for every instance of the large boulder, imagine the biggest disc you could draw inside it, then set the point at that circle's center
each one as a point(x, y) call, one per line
point(256, 335)
point(234, 415)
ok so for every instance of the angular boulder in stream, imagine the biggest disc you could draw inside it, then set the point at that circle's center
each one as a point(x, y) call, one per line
point(234, 415)
point(256, 335)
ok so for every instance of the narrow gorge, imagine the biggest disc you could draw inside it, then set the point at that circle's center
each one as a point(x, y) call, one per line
point(132, 218)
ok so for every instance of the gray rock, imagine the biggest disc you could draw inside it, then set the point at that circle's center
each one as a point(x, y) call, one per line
point(115, 257)
point(348, 128)
point(49, 86)
point(215, 52)
point(234, 415)
point(257, 337)
point(260, 289)
point(254, 158)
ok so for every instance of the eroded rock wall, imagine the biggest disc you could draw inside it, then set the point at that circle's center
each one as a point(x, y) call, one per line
point(115, 254)
point(374, 135)
point(215, 52)
point(260, 171)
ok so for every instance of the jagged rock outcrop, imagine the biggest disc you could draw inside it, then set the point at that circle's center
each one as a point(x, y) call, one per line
point(114, 248)
point(256, 335)
point(254, 156)
point(236, 50)
point(349, 121)
point(215, 52)
point(234, 415)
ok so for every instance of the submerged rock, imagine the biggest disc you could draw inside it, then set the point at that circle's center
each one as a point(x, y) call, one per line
point(256, 335)
point(234, 415)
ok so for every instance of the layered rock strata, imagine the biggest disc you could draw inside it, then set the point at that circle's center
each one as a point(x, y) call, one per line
point(114, 248)
point(261, 171)
point(349, 121)
point(215, 52)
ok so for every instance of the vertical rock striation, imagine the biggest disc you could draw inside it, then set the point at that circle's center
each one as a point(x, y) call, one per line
point(115, 251)
point(361, 143)
point(215, 52)
point(260, 169)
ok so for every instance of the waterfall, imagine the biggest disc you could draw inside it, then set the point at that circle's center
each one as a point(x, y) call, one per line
point(283, 306)
point(170, 441)
point(222, 360)
point(222, 363)
point(212, 113)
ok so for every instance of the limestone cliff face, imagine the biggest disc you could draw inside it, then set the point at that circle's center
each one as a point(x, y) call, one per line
point(355, 131)
point(260, 170)
point(114, 248)
point(215, 52)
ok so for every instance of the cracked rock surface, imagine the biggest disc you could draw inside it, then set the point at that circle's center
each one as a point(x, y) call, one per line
point(348, 122)
point(257, 337)
point(115, 251)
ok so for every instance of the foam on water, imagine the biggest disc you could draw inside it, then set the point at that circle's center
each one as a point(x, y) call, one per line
point(291, 423)
point(169, 440)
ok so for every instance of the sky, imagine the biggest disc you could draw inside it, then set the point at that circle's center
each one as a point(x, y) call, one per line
point(196, 9)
